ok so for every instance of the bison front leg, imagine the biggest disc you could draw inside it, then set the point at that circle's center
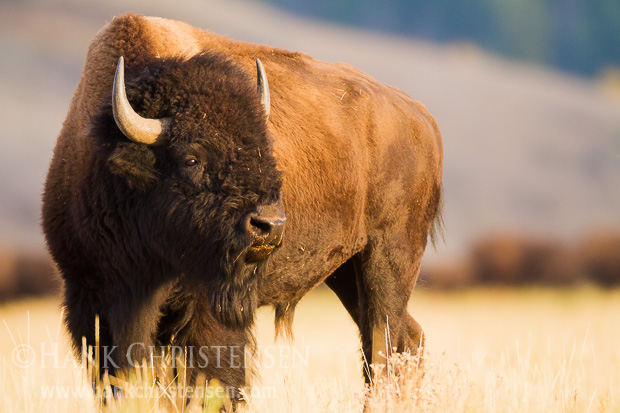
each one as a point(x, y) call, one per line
point(118, 326)
point(211, 349)
point(132, 320)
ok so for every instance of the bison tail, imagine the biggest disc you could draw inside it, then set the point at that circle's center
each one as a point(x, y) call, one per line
point(435, 209)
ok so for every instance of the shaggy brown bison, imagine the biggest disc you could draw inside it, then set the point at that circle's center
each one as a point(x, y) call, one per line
point(184, 193)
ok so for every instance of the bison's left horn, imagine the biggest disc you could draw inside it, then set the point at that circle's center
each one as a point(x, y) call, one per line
point(134, 126)
point(263, 86)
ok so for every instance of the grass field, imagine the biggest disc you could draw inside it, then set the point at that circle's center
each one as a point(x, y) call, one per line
point(487, 350)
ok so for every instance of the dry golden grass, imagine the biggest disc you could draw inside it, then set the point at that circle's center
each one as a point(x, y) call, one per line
point(487, 350)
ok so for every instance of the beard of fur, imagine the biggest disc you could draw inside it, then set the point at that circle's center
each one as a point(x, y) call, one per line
point(234, 298)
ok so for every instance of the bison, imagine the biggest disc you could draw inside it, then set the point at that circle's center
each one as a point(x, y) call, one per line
point(184, 193)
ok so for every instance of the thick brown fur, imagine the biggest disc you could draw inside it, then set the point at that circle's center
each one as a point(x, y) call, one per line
point(358, 164)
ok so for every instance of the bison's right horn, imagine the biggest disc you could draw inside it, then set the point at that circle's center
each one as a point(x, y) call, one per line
point(134, 126)
point(263, 86)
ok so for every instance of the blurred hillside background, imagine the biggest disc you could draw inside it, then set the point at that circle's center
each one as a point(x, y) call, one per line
point(526, 93)
point(578, 36)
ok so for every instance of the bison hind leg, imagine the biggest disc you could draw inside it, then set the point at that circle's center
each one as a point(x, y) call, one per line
point(416, 333)
point(374, 286)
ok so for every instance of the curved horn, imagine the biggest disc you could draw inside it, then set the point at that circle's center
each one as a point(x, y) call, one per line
point(134, 126)
point(263, 86)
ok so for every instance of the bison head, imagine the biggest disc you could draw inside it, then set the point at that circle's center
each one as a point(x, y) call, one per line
point(186, 161)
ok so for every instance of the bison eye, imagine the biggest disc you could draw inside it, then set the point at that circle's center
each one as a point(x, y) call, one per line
point(191, 162)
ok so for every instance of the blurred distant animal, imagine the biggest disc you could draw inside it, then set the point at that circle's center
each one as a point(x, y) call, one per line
point(517, 260)
point(25, 273)
point(184, 193)
point(600, 258)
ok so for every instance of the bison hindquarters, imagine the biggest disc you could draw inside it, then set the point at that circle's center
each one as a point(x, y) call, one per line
point(374, 286)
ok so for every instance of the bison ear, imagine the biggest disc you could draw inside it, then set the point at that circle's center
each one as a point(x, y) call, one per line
point(135, 163)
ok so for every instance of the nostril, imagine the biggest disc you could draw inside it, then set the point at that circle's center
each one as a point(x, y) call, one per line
point(264, 227)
